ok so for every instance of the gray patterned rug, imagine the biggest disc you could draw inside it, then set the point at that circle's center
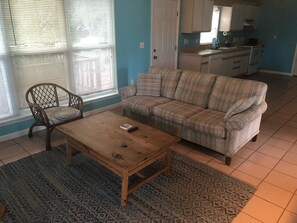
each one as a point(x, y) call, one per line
point(41, 188)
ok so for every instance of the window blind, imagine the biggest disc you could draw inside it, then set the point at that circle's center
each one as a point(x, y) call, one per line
point(67, 42)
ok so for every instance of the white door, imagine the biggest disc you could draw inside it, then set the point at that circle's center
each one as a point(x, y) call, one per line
point(165, 17)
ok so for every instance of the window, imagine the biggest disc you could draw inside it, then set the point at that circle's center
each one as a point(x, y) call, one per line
point(67, 42)
point(206, 37)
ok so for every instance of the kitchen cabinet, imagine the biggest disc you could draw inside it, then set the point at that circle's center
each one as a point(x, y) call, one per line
point(224, 62)
point(196, 15)
point(238, 17)
point(251, 16)
point(189, 61)
point(215, 63)
point(235, 63)
point(205, 64)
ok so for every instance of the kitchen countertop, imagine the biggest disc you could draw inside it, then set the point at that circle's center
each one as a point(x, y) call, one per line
point(208, 52)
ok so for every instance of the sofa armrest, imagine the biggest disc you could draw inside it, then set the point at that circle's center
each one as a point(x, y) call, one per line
point(239, 121)
point(128, 91)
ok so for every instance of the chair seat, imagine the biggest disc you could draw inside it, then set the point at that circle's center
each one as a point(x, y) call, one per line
point(60, 114)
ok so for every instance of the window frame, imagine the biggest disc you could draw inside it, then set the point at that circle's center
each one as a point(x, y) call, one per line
point(19, 113)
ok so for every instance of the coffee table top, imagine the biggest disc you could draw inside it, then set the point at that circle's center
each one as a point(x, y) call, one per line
point(102, 134)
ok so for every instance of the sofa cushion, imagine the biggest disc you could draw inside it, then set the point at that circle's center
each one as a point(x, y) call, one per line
point(209, 122)
point(239, 106)
point(148, 85)
point(227, 91)
point(170, 79)
point(143, 104)
point(194, 88)
point(176, 111)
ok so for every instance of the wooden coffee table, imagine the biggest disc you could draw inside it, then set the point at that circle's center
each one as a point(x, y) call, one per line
point(101, 139)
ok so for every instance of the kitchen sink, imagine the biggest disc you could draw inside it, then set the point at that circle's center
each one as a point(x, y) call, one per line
point(227, 48)
point(211, 51)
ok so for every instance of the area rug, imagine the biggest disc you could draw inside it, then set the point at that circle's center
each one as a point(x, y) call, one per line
point(41, 188)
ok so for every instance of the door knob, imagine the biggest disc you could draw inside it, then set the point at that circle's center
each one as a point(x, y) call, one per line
point(155, 57)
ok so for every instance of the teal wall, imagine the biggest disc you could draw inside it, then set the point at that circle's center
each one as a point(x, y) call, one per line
point(278, 18)
point(132, 26)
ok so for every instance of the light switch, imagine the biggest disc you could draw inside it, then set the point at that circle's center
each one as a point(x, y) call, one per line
point(141, 45)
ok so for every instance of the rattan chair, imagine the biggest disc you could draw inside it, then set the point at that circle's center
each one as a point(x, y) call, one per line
point(52, 105)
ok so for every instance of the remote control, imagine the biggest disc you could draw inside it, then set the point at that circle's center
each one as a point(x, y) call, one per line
point(132, 129)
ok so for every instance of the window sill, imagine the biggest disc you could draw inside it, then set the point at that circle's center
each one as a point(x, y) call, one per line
point(27, 115)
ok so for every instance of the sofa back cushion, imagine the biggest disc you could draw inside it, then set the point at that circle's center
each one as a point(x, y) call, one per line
point(194, 88)
point(228, 90)
point(170, 79)
point(148, 85)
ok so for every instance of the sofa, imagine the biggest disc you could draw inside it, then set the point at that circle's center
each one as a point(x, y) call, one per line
point(217, 112)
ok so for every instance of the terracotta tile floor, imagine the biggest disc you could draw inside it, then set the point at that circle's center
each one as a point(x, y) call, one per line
point(270, 164)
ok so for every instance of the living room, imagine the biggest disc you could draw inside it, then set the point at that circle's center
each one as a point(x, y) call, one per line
point(279, 35)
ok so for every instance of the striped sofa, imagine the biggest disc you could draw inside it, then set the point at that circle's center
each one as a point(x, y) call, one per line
point(217, 112)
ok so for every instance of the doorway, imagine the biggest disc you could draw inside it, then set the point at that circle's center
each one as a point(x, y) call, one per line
point(164, 33)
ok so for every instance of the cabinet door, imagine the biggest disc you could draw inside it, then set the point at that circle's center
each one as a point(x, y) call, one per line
point(198, 15)
point(205, 67)
point(237, 18)
point(187, 10)
point(207, 15)
point(244, 64)
point(227, 67)
point(236, 66)
point(190, 62)
point(225, 19)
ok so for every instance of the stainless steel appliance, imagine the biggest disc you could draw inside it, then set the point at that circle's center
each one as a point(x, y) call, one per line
point(255, 58)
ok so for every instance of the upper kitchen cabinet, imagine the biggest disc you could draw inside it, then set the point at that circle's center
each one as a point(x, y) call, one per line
point(196, 15)
point(238, 17)
point(251, 16)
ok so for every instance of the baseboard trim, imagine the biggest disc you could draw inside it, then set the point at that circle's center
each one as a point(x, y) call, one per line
point(39, 128)
point(103, 109)
point(275, 72)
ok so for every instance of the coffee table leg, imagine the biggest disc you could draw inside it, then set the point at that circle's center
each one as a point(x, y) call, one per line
point(124, 194)
point(68, 154)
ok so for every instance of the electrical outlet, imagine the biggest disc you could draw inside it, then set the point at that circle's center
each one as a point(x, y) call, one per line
point(141, 45)
point(186, 41)
point(132, 82)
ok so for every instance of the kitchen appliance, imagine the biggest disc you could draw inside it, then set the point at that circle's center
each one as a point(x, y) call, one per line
point(255, 58)
point(252, 42)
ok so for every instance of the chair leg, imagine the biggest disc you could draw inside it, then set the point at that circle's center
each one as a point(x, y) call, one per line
point(254, 139)
point(30, 133)
point(48, 139)
point(227, 160)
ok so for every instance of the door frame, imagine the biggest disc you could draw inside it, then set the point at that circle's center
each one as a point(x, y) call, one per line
point(177, 32)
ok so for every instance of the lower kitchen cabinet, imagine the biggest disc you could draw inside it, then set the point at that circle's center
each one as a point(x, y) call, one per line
point(228, 62)
point(235, 63)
